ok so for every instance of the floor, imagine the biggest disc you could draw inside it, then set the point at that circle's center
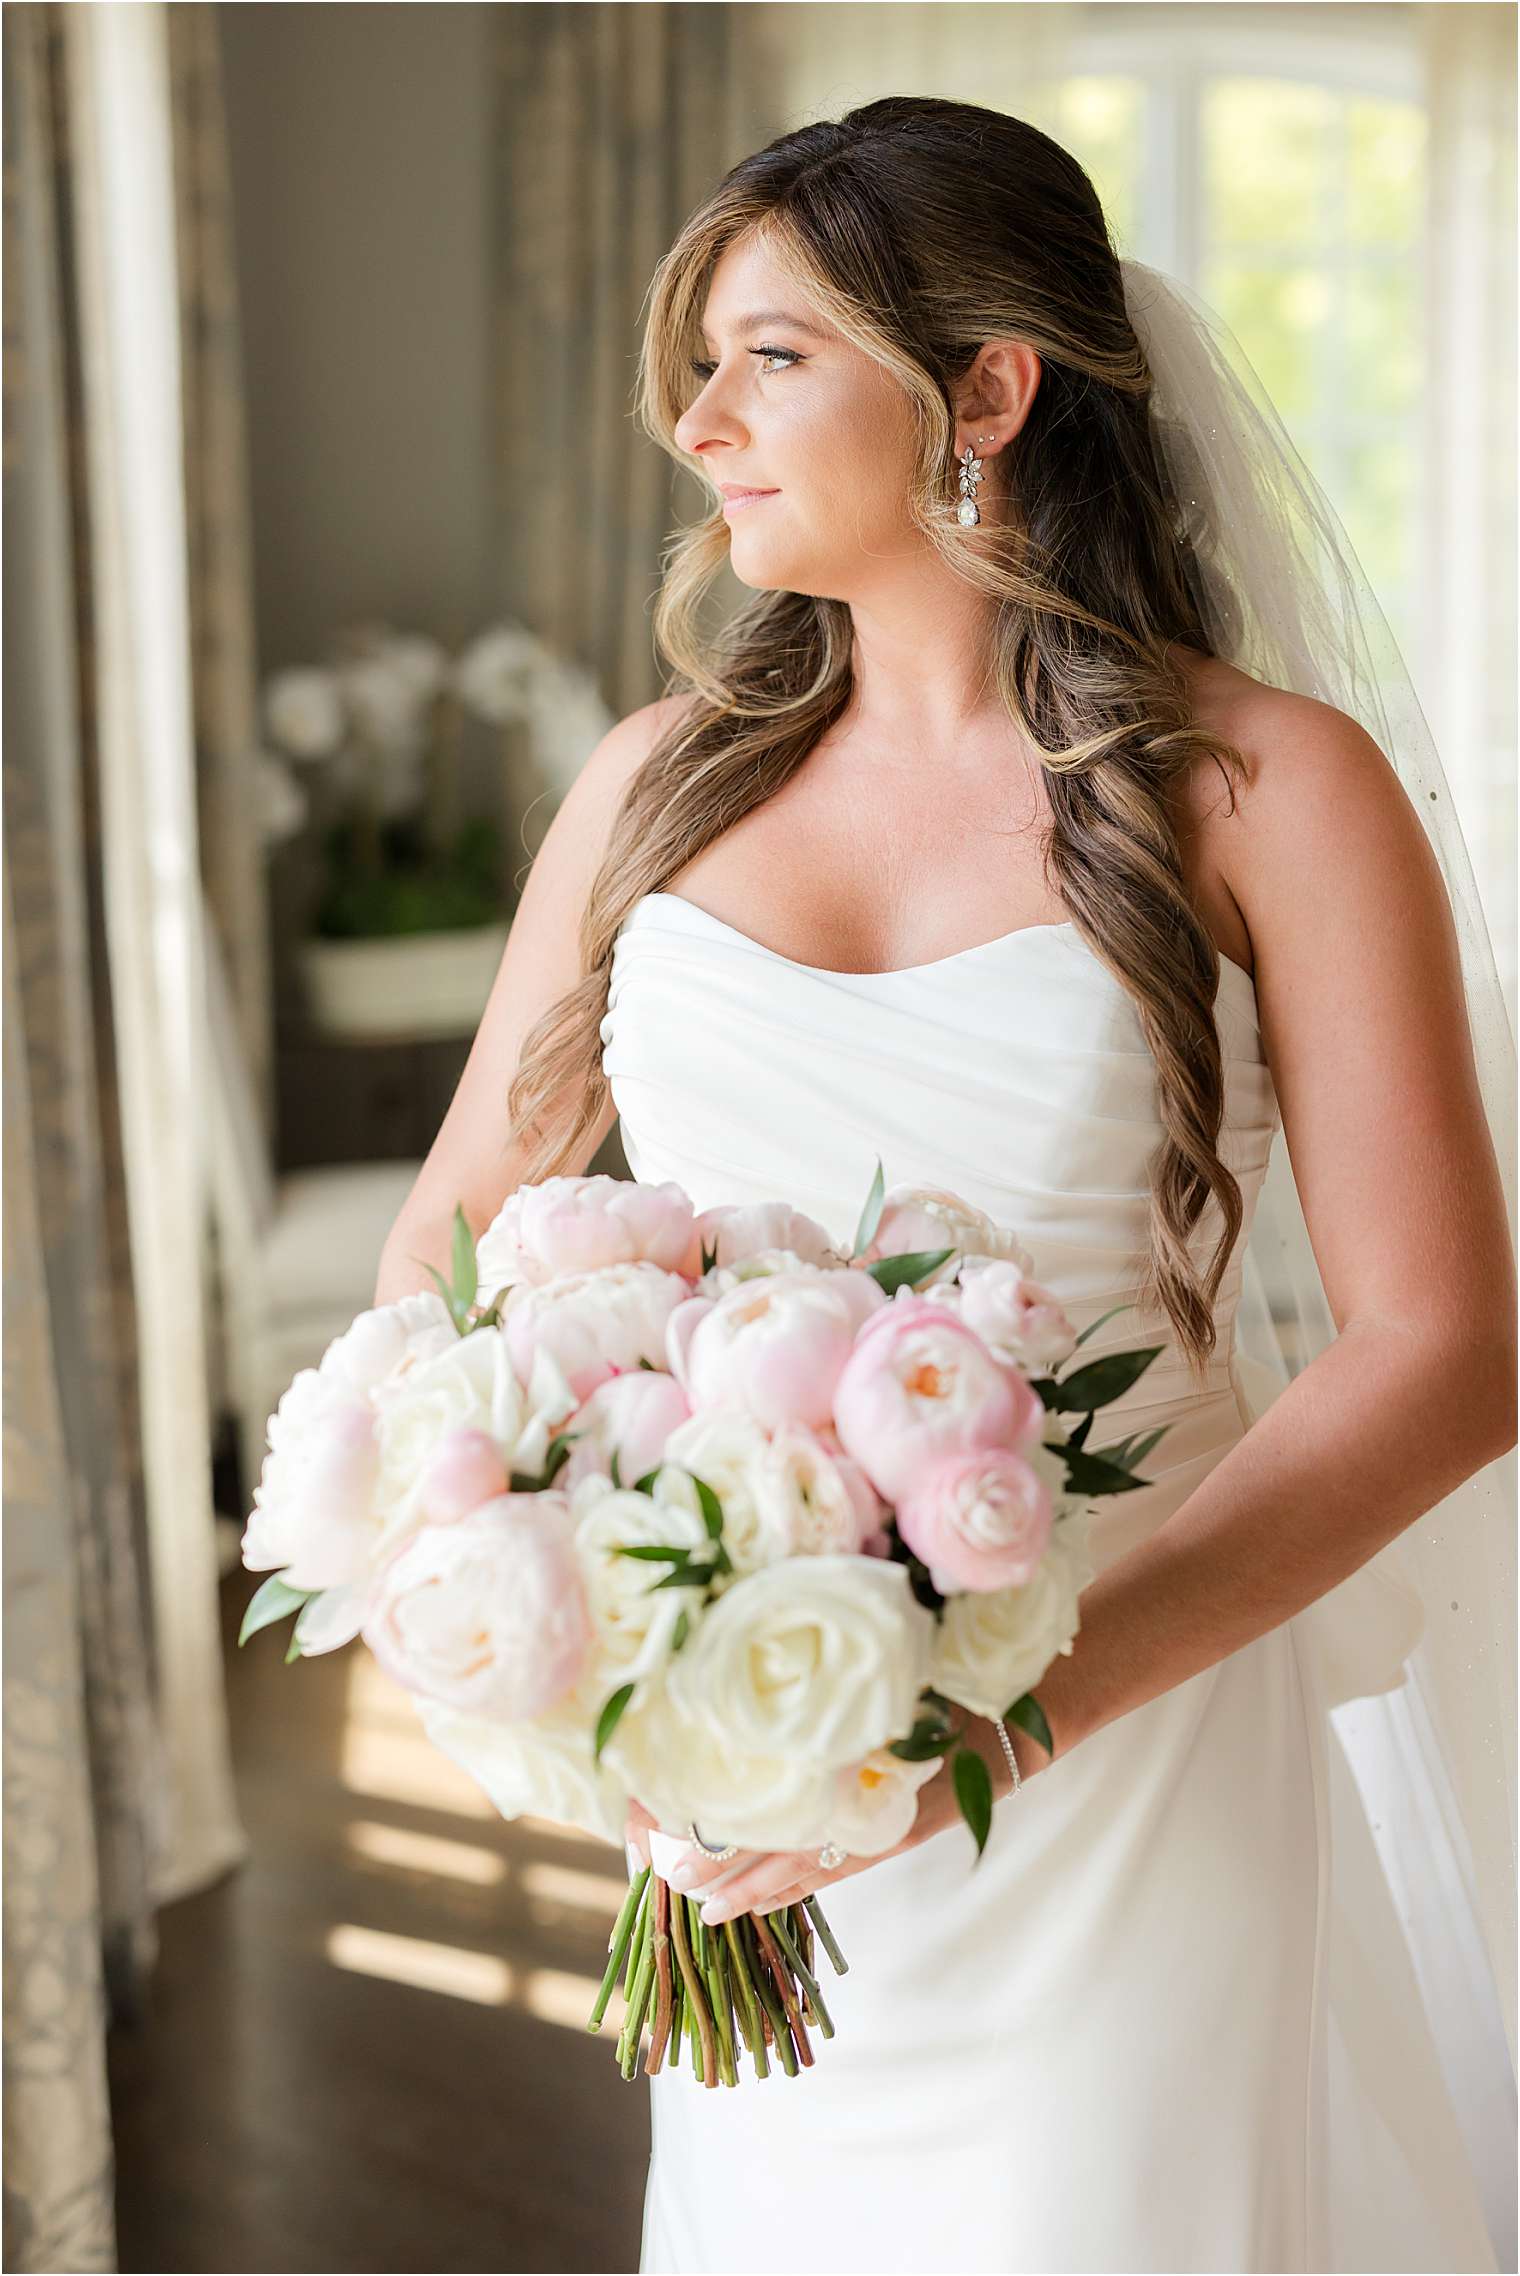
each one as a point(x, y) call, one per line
point(366, 2048)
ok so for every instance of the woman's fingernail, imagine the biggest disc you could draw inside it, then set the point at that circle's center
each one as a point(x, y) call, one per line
point(713, 1911)
point(683, 1877)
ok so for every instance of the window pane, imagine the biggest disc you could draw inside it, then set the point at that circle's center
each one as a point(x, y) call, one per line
point(1385, 348)
point(1386, 172)
point(1377, 503)
point(1100, 122)
point(1276, 313)
point(1268, 157)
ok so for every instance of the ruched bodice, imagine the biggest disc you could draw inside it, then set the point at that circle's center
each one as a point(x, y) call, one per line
point(1016, 1073)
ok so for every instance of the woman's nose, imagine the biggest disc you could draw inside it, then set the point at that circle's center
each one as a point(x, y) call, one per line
point(706, 421)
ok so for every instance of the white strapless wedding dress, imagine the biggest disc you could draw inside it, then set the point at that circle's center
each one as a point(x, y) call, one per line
point(1113, 2043)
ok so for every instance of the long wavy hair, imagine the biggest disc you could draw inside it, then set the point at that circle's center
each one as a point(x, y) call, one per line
point(1097, 572)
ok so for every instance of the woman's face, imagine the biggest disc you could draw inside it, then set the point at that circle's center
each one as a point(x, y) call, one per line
point(789, 408)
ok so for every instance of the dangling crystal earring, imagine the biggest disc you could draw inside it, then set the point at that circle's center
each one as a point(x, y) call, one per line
point(971, 476)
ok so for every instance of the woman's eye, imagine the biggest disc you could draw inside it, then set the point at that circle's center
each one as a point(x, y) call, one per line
point(705, 370)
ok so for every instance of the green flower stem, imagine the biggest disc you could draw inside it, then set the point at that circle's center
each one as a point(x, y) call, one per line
point(786, 2053)
point(785, 1987)
point(640, 1977)
point(701, 2020)
point(617, 1945)
point(784, 1937)
point(660, 2033)
point(677, 2016)
point(722, 2014)
point(826, 1937)
point(749, 2006)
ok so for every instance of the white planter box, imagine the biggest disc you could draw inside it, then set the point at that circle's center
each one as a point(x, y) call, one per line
point(416, 985)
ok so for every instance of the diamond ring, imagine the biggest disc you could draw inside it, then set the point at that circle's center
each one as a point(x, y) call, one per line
point(831, 1855)
point(729, 1848)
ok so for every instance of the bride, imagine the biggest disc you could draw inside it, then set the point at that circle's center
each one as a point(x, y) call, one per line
point(1020, 828)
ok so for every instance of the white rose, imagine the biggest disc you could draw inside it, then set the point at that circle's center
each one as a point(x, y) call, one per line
point(875, 1801)
point(798, 1670)
point(543, 1767)
point(993, 1645)
point(468, 1385)
point(729, 1453)
point(632, 1617)
point(303, 712)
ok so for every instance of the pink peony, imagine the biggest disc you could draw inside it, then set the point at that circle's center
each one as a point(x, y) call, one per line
point(918, 1384)
point(464, 1470)
point(488, 1614)
point(1020, 1319)
point(630, 1415)
point(579, 1224)
point(978, 1521)
point(737, 1230)
point(774, 1347)
point(594, 1323)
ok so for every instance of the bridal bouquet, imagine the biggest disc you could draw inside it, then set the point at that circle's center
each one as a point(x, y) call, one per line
point(698, 1510)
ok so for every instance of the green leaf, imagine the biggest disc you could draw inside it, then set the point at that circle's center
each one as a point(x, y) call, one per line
point(1093, 1325)
point(613, 1468)
point(645, 1485)
point(606, 1722)
point(1030, 1716)
point(465, 1281)
point(1103, 1380)
point(1089, 1474)
point(1133, 1460)
point(712, 1508)
point(681, 1629)
point(652, 1552)
point(272, 1602)
point(891, 1273)
point(870, 1216)
point(923, 1741)
point(445, 1291)
point(973, 1791)
point(684, 1576)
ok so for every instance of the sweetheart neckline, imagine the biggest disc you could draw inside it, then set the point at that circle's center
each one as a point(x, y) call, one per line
point(904, 971)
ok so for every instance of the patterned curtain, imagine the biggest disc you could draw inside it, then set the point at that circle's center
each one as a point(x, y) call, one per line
point(219, 538)
point(118, 1792)
point(611, 123)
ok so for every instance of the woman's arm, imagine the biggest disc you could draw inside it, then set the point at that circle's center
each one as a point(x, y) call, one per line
point(473, 1163)
point(1363, 1015)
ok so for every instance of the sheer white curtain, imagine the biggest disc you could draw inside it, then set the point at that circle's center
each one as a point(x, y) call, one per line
point(118, 60)
point(1467, 544)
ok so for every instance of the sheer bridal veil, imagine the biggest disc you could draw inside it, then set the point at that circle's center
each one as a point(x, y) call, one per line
point(1415, 1652)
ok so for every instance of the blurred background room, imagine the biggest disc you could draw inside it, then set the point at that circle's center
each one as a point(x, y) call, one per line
point(331, 547)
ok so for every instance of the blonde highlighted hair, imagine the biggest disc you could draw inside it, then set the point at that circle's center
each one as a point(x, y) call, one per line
point(921, 228)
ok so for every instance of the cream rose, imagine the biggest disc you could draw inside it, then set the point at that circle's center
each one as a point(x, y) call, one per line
point(633, 1619)
point(990, 1648)
point(543, 1767)
point(801, 1669)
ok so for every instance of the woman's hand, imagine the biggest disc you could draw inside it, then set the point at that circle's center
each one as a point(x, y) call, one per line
point(773, 1878)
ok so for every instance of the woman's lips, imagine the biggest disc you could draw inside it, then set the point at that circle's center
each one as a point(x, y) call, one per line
point(747, 498)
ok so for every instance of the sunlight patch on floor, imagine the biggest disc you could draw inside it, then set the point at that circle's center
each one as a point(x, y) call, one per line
point(553, 1995)
point(429, 1853)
